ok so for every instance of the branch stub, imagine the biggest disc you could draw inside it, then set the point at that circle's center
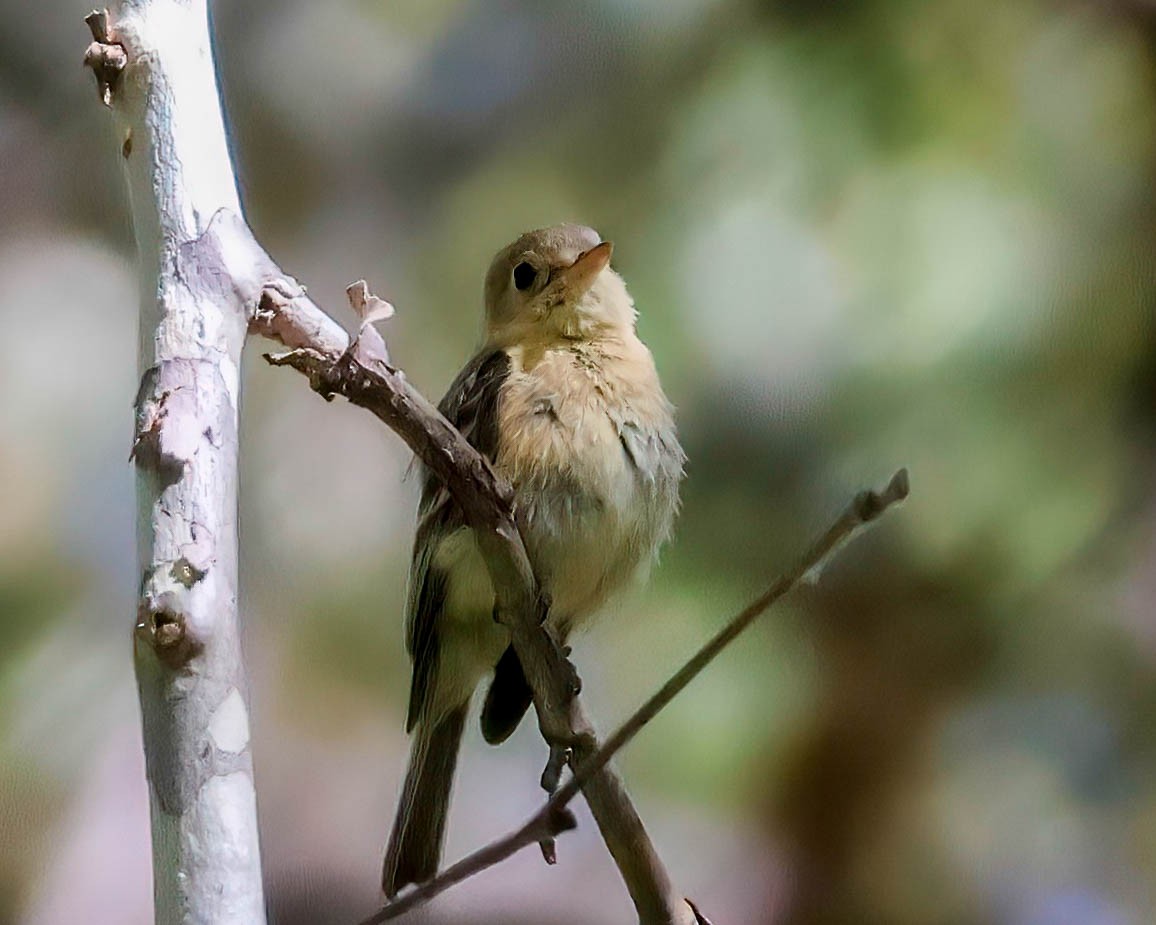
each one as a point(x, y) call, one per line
point(106, 56)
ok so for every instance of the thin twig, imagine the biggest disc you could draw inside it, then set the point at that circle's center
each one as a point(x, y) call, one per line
point(549, 821)
point(866, 507)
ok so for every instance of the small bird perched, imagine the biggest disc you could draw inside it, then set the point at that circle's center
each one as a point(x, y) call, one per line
point(564, 401)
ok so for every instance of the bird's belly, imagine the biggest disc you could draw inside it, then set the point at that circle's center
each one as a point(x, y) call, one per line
point(582, 550)
point(584, 547)
point(587, 529)
point(590, 513)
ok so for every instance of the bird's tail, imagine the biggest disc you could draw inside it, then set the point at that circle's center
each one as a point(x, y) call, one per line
point(415, 844)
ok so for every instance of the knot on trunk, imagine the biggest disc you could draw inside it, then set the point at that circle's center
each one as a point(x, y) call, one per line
point(162, 623)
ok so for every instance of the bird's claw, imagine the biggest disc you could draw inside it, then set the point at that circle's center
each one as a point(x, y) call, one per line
point(552, 773)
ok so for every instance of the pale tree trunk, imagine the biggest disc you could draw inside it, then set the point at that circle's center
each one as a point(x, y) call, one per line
point(193, 696)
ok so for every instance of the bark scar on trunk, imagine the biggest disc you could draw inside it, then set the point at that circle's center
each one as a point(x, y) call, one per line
point(162, 624)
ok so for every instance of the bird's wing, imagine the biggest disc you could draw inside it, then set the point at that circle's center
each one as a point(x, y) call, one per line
point(471, 405)
point(652, 450)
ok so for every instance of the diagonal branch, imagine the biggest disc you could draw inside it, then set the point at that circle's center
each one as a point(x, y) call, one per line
point(554, 818)
point(369, 381)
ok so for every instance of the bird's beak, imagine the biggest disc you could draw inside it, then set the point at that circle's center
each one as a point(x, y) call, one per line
point(580, 275)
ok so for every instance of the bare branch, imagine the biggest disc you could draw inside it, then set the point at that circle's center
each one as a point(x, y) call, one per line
point(485, 500)
point(863, 510)
point(549, 821)
point(105, 55)
point(285, 314)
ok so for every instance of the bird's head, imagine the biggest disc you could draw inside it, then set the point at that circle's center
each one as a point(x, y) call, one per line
point(555, 283)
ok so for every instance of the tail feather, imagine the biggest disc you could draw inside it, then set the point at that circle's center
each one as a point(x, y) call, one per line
point(415, 844)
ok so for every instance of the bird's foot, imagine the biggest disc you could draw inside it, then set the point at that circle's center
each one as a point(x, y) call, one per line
point(562, 651)
point(552, 773)
point(551, 778)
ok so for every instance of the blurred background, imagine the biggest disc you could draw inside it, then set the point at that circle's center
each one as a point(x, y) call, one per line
point(860, 235)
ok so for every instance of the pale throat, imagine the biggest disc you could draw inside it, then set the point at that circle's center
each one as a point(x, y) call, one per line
point(604, 313)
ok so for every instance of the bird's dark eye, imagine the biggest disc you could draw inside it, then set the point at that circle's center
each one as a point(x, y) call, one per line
point(524, 276)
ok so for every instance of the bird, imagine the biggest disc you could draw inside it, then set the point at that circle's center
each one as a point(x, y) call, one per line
point(564, 400)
